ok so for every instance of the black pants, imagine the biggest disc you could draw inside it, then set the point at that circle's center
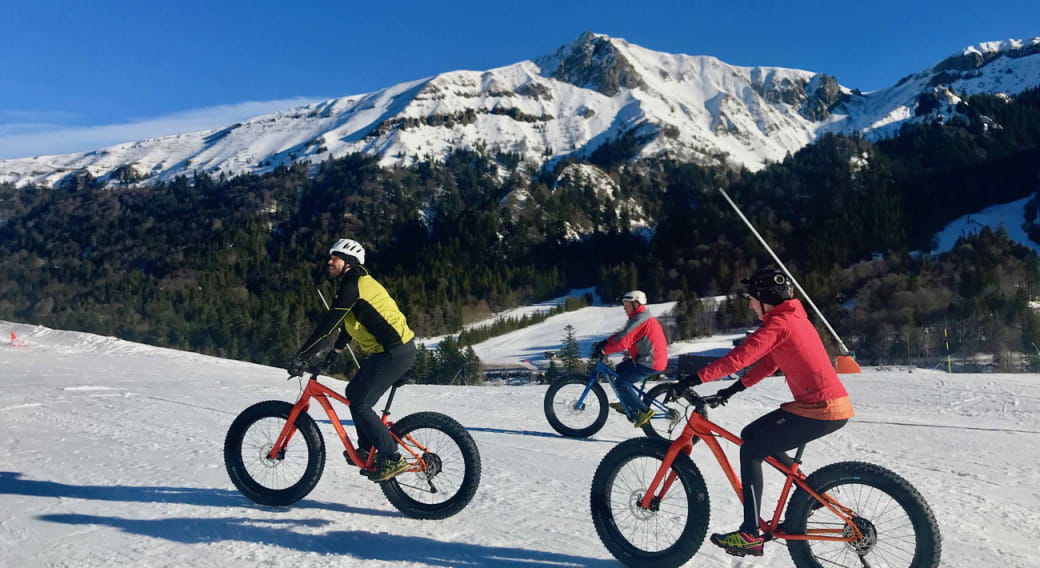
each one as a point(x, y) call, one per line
point(377, 374)
point(772, 435)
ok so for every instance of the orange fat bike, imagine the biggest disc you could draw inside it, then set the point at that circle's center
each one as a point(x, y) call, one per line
point(650, 504)
point(275, 455)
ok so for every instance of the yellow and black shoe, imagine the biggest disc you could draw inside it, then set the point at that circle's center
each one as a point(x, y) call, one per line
point(739, 543)
point(390, 468)
point(618, 407)
point(643, 417)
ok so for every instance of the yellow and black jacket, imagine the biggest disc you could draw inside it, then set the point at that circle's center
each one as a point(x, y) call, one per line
point(365, 311)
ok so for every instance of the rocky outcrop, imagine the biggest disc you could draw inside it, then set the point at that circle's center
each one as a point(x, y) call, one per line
point(593, 62)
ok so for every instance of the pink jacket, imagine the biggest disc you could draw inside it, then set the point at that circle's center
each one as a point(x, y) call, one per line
point(644, 340)
point(786, 340)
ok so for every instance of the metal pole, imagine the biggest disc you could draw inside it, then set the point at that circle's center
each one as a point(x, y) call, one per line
point(949, 363)
point(326, 304)
point(841, 344)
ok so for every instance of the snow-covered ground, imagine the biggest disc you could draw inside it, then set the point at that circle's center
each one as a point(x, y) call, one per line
point(1010, 216)
point(527, 347)
point(112, 455)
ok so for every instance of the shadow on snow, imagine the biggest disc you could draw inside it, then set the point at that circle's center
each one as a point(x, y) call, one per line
point(297, 535)
point(12, 483)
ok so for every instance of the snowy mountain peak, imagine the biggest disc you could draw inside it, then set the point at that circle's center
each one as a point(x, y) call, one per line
point(592, 92)
point(594, 62)
point(1008, 66)
point(1011, 47)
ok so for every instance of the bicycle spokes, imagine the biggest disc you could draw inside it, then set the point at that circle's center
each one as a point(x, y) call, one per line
point(633, 507)
point(889, 523)
point(638, 524)
point(445, 466)
point(266, 470)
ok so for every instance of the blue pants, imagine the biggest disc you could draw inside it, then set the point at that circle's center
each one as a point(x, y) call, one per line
point(628, 374)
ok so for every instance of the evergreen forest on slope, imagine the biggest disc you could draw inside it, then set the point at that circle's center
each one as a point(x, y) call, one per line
point(229, 267)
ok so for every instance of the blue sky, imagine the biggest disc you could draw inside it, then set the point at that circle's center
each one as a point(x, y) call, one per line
point(76, 76)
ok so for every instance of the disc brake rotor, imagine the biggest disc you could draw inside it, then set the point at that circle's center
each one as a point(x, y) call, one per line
point(265, 456)
point(638, 511)
point(433, 465)
point(866, 543)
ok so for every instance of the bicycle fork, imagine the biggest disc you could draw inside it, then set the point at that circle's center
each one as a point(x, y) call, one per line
point(277, 451)
point(664, 477)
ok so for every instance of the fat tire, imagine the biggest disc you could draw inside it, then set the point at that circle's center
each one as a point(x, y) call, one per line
point(657, 427)
point(550, 407)
point(689, 537)
point(397, 489)
point(927, 547)
point(244, 461)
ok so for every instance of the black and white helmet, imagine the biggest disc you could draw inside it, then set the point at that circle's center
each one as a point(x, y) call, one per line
point(769, 285)
point(349, 250)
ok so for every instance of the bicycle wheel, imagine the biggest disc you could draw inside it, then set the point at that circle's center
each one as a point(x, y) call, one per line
point(672, 529)
point(277, 482)
point(568, 417)
point(452, 467)
point(899, 529)
point(669, 419)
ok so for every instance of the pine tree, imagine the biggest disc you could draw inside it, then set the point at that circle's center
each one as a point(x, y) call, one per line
point(423, 366)
point(471, 366)
point(569, 354)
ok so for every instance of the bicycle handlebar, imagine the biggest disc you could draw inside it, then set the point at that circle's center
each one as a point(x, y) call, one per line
point(701, 404)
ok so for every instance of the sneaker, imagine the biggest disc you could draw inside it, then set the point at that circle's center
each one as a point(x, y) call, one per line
point(643, 417)
point(618, 407)
point(390, 468)
point(739, 543)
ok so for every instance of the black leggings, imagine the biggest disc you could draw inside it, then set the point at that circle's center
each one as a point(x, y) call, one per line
point(772, 435)
point(377, 374)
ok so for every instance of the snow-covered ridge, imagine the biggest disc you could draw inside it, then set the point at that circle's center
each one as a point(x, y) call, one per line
point(566, 103)
point(44, 339)
point(1008, 216)
point(1009, 45)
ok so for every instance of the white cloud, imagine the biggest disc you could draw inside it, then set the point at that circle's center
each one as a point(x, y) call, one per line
point(24, 134)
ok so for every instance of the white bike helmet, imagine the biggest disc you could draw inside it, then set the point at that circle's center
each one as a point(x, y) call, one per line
point(637, 296)
point(349, 250)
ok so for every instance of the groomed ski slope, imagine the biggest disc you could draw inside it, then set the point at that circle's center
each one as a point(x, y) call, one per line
point(112, 455)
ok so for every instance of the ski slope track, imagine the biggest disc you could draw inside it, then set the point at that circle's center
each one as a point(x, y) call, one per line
point(112, 455)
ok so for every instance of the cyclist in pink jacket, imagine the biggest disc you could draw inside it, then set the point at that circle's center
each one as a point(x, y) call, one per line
point(644, 340)
point(786, 340)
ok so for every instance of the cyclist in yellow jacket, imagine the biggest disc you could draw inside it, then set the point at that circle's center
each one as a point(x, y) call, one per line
point(365, 311)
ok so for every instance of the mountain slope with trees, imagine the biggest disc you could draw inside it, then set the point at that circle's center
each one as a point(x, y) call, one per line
point(230, 266)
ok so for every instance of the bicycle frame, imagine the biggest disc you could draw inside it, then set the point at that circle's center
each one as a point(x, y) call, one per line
point(612, 376)
point(700, 428)
point(321, 393)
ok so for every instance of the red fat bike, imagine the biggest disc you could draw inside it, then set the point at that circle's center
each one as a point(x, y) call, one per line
point(650, 505)
point(275, 455)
